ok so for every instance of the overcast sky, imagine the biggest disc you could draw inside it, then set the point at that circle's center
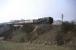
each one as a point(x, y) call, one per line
point(30, 9)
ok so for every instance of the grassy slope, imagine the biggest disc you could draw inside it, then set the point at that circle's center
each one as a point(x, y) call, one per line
point(47, 36)
point(28, 46)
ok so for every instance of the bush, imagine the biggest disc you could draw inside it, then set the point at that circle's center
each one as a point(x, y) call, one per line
point(66, 26)
point(59, 39)
point(22, 39)
point(66, 33)
point(28, 28)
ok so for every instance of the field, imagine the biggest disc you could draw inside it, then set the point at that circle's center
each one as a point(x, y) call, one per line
point(4, 45)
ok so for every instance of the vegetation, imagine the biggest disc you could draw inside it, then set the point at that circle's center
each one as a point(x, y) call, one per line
point(45, 37)
point(4, 45)
point(67, 34)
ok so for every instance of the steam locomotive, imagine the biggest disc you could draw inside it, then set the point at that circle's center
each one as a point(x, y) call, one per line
point(5, 27)
point(45, 20)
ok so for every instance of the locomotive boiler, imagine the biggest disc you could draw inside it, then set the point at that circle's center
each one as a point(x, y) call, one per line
point(45, 20)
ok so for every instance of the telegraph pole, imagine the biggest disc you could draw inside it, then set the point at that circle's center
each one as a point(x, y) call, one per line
point(62, 16)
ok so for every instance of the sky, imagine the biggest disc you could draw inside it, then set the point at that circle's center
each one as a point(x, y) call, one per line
point(33, 9)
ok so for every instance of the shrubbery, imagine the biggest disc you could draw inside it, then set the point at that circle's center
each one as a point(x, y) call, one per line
point(66, 33)
point(28, 28)
point(66, 26)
